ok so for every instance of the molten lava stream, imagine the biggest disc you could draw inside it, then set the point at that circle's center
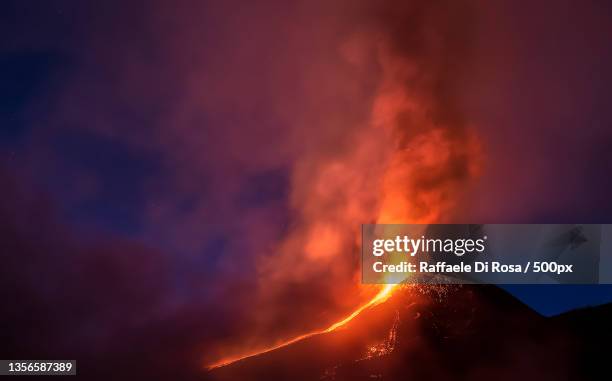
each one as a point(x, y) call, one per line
point(383, 295)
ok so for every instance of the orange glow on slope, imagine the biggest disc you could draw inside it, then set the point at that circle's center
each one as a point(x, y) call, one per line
point(383, 295)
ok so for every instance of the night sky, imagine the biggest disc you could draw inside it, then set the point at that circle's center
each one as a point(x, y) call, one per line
point(154, 154)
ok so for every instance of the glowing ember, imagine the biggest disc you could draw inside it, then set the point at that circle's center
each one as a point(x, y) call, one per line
point(387, 346)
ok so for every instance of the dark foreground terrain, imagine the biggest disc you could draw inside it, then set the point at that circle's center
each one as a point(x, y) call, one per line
point(452, 333)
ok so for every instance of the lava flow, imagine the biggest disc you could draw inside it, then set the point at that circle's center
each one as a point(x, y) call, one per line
point(383, 295)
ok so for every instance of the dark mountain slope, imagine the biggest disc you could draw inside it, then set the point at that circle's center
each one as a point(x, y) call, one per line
point(444, 333)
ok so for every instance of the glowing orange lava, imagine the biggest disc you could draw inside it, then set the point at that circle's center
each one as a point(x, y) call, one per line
point(382, 295)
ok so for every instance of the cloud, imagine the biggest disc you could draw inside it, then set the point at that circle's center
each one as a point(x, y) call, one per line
point(276, 130)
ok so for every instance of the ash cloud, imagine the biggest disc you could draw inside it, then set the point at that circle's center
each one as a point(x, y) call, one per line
point(275, 130)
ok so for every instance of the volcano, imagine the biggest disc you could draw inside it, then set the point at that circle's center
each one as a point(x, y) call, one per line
point(443, 333)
